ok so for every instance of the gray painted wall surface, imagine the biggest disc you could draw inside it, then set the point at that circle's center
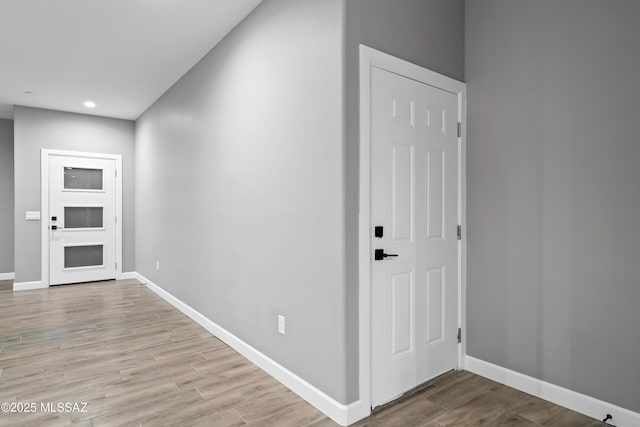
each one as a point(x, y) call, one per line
point(429, 33)
point(553, 194)
point(6, 196)
point(239, 189)
point(36, 129)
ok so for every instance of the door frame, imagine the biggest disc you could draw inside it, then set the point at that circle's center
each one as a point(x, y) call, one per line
point(45, 154)
point(373, 58)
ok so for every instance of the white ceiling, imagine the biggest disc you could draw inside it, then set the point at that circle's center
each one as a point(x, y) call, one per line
point(121, 54)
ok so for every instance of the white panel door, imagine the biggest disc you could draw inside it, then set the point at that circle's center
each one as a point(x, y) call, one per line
point(82, 209)
point(414, 197)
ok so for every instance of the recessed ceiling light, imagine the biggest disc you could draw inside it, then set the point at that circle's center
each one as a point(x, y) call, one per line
point(89, 104)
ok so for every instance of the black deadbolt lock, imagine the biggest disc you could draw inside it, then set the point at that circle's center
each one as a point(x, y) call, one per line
point(54, 218)
point(378, 231)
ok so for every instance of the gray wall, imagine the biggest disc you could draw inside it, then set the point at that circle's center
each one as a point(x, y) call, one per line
point(6, 196)
point(36, 129)
point(429, 33)
point(553, 194)
point(239, 191)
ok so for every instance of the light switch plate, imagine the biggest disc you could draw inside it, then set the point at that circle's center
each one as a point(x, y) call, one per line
point(33, 216)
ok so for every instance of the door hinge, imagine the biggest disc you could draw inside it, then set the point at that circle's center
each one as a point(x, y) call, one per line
point(116, 265)
point(117, 169)
point(459, 232)
point(459, 335)
point(459, 129)
point(116, 220)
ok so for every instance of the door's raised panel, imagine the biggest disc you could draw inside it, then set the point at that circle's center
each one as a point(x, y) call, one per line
point(436, 182)
point(401, 313)
point(435, 304)
point(402, 110)
point(402, 192)
point(444, 122)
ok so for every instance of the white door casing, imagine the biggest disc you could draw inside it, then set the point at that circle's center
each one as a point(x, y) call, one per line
point(413, 286)
point(81, 226)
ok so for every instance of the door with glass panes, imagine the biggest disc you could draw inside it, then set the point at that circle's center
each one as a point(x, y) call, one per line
point(82, 218)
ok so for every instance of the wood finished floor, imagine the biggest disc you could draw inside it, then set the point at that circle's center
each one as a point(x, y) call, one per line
point(6, 285)
point(137, 361)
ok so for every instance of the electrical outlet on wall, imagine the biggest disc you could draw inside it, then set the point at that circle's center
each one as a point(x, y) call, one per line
point(281, 324)
point(157, 265)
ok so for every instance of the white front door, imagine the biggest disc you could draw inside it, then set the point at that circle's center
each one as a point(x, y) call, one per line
point(82, 218)
point(414, 198)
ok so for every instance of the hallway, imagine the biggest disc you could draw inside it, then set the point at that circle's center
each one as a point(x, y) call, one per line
point(136, 360)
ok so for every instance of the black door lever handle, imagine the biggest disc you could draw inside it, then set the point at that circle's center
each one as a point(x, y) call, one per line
point(379, 255)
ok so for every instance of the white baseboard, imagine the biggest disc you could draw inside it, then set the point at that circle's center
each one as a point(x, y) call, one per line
point(561, 396)
point(338, 412)
point(357, 411)
point(128, 275)
point(27, 286)
point(7, 276)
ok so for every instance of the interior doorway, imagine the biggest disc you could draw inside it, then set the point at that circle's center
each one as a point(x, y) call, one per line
point(412, 222)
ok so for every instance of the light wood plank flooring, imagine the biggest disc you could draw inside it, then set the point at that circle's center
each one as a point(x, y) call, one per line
point(6, 285)
point(465, 399)
point(137, 361)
